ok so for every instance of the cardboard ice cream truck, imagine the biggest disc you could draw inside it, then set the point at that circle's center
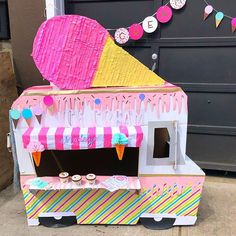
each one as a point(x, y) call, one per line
point(105, 142)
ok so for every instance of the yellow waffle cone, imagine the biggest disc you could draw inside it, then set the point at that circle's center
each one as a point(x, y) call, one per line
point(37, 158)
point(118, 68)
point(120, 151)
point(217, 23)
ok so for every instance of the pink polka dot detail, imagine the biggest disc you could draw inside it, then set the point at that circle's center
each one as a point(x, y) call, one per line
point(135, 31)
point(164, 14)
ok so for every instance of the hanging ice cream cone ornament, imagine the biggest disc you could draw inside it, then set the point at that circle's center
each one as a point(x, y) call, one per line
point(120, 141)
point(218, 18)
point(37, 158)
point(120, 149)
point(15, 116)
point(207, 11)
point(27, 115)
point(233, 25)
point(36, 148)
point(38, 111)
point(48, 101)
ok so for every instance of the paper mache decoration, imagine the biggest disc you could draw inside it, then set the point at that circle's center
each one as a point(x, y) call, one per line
point(75, 52)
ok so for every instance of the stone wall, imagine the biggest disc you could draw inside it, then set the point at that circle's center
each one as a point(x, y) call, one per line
point(7, 95)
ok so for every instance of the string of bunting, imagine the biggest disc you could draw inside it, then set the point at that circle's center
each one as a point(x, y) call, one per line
point(219, 16)
point(149, 24)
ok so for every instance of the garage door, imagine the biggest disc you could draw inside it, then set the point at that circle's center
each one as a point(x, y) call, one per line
point(192, 54)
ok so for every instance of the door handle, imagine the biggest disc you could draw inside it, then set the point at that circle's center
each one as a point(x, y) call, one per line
point(154, 58)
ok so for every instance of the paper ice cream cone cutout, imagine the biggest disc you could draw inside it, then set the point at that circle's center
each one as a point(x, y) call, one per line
point(27, 115)
point(207, 11)
point(15, 116)
point(36, 148)
point(233, 25)
point(39, 118)
point(51, 108)
point(37, 158)
point(105, 64)
point(233, 28)
point(15, 122)
point(28, 121)
point(218, 18)
point(120, 149)
point(38, 111)
point(119, 140)
point(217, 23)
point(49, 103)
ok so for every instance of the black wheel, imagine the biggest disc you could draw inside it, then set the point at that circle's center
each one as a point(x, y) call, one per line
point(52, 222)
point(151, 223)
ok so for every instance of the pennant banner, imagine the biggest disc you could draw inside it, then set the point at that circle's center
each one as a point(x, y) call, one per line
point(219, 16)
point(149, 24)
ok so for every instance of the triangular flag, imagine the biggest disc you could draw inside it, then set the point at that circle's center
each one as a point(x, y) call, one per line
point(207, 11)
point(233, 25)
point(218, 18)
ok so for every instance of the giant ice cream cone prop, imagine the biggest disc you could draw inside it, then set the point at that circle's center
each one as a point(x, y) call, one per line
point(63, 61)
point(37, 158)
point(119, 141)
point(36, 148)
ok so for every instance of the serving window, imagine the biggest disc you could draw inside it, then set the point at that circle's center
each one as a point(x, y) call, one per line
point(98, 161)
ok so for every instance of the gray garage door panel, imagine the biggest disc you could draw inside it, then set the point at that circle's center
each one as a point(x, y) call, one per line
point(213, 151)
point(212, 108)
point(198, 64)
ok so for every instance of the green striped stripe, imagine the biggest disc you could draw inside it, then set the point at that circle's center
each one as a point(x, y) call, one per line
point(78, 200)
point(109, 207)
point(58, 200)
point(95, 201)
point(37, 201)
point(176, 200)
point(128, 207)
point(195, 200)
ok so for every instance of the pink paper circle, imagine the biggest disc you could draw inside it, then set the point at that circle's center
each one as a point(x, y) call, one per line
point(48, 100)
point(233, 22)
point(164, 14)
point(135, 31)
point(208, 9)
point(37, 110)
point(122, 35)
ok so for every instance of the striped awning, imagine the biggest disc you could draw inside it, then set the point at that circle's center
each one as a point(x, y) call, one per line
point(81, 138)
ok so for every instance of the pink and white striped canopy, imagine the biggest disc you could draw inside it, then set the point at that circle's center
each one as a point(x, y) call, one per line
point(81, 138)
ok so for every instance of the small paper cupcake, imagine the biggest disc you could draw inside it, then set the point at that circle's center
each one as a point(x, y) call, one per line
point(77, 179)
point(64, 177)
point(91, 178)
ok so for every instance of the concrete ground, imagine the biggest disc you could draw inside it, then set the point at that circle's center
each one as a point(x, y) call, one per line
point(217, 216)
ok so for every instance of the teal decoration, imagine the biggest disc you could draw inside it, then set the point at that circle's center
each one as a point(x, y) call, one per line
point(98, 101)
point(14, 114)
point(219, 15)
point(27, 113)
point(119, 138)
point(38, 183)
point(141, 96)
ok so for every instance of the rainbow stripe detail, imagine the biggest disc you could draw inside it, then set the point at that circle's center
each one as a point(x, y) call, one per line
point(99, 206)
